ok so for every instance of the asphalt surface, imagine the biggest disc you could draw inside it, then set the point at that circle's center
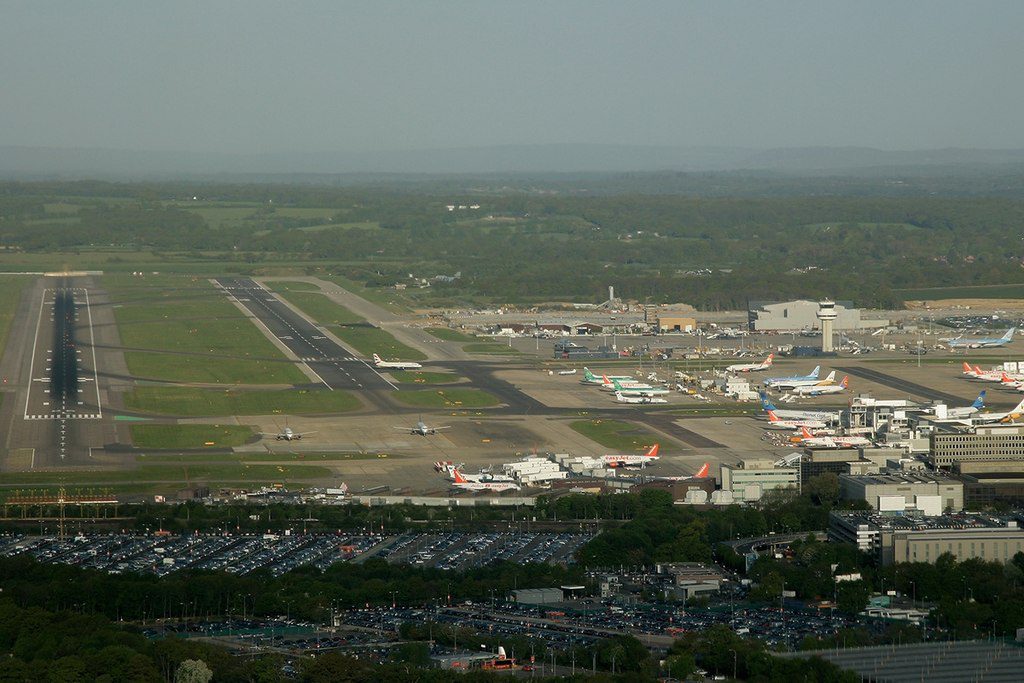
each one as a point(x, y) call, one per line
point(334, 366)
point(903, 385)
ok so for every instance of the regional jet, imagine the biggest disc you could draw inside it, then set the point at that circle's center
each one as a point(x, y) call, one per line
point(637, 389)
point(822, 388)
point(983, 343)
point(772, 381)
point(461, 482)
point(623, 398)
point(394, 365)
point(422, 429)
point(823, 415)
point(286, 434)
point(591, 378)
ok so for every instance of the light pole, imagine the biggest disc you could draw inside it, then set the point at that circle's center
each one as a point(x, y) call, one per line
point(734, 658)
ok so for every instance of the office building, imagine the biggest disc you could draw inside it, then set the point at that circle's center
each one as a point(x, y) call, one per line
point(751, 478)
point(929, 492)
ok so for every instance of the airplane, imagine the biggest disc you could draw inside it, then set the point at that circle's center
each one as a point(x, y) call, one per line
point(610, 384)
point(1008, 382)
point(591, 378)
point(772, 381)
point(984, 342)
point(776, 422)
point(394, 365)
point(821, 388)
point(461, 482)
point(808, 439)
point(567, 372)
point(977, 373)
point(823, 415)
point(623, 398)
point(1011, 415)
point(422, 429)
point(632, 460)
point(702, 473)
point(752, 367)
point(286, 434)
point(638, 389)
point(483, 476)
point(967, 411)
point(791, 384)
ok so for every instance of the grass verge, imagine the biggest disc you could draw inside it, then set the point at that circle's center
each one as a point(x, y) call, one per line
point(447, 398)
point(615, 434)
point(217, 402)
point(368, 340)
point(189, 436)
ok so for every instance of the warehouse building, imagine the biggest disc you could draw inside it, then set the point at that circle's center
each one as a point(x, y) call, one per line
point(802, 314)
point(892, 539)
point(925, 491)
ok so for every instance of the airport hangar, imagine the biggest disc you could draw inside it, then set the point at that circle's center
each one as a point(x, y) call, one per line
point(802, 314)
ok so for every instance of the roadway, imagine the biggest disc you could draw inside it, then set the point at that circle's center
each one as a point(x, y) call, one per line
point(331, 364)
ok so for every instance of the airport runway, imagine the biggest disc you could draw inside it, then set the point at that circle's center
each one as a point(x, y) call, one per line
point(335, 366)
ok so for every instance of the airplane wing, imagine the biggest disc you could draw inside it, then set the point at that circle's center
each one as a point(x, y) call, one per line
point(437, 429)
point(302, 433)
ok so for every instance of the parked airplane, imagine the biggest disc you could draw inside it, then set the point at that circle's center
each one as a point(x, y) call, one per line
point(461, 482)
point(483, 476)
point(823, 415)
point(776, 422)
point(567, 372)
point(823, 388)
point(812, 441)
point(623, 398)
point(611, 384)
point(591, 378)
point(422, 429)
point(977, 373)
point(1011, 415)
point(394, 365)
point(752, 367)
point(632, 460)
point(638, 389)
point(790, 384)
point(702, 473)
point(771, 381)
point(286, 434)
point(966, 411)
point(982, 343)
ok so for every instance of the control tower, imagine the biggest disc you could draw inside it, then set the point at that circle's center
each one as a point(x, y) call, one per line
point(827, 315)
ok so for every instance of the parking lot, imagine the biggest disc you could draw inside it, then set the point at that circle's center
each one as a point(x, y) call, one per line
point(279, 553)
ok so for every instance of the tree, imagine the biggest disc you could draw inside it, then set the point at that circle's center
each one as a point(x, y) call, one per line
point(193, 671)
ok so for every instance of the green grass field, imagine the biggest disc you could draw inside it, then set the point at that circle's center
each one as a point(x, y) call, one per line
point(448, 334)
point(418, 377)
point(368, 340)
point(191, 401)
point(187, 315)
point(447, 398)
point(617, 435)
point(11, 288)
point(292, 286)
point(169, 477)
point(388, 299)
point(189, 436)
point(1012, 291)
point(318, 307)
point(489, 348)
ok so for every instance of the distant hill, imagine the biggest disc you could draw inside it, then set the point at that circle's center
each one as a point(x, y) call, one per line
point(37, 162)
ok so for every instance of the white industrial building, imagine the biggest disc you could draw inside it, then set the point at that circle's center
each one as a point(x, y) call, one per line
point(802, 314)
point(930, 494)
point(533, 471)
point(751, 478)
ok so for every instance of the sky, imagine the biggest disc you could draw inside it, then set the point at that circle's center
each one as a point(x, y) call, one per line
point(303, 76)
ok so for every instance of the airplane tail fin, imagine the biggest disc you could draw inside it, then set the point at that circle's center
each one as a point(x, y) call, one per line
point(772, 417)
point(967, 369)
point(815, 372)
point(846, 381)
point(459, 479)
point(979, 402)
point(376, 358)
point(977, 369)
point(766, 403)
point(652, 452)
point(702, 473)
point(589, 375)
point(768, 360)
point(805, 433)
point(831, 377)
point(1009, 333)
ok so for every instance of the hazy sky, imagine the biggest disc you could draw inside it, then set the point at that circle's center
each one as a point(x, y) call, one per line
point(333, 75)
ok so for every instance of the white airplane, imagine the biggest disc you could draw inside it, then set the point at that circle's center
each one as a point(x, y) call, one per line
point(776, 422)
point(623, 398)
point(611, 384)
point(591, 378)
point(461, 482)
point(567, 372)
point(394, 365)
point(702, 473)
point(808, 439)
point(823, 415)
point(286, 434)
point(822, 388)
point(422, 429)
point(638, 389)
point(965, 411)
point(482, 476)
point(982, 343)
point(984, 375)
point(791, 384)
point(1011, 415)
point(752, 367)
point(632, 459)
point(813, 377)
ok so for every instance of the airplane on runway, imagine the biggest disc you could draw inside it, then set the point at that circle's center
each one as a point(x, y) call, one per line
point(808, 439)
point(776, 422)
point(461, 482)
point(751, 367)
point(591, 378)
point(422, 429)
point(982, 343)
point(632, 460)
point(812, 377)
point(822, 388)
point(287, 434)
point(644, 390)
point(394, 365)
point(791, 384)
point(823, 415)
point(623, 398)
